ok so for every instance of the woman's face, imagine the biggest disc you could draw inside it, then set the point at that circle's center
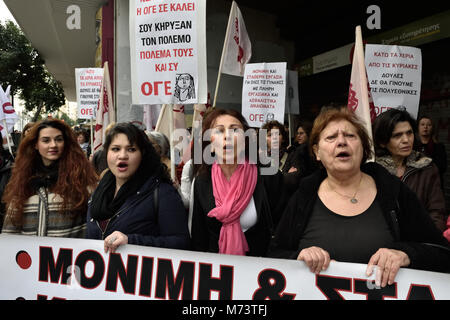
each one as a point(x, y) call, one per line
point(274, 139)
point(301, 136)
point(227, 139)
point(123, 159)
point(425, 127)
point(50, 145)
point(80, 139)
point(402, 139)
point(184, 81)
point(339, 148)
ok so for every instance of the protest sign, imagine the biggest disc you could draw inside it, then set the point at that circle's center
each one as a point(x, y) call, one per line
point(61, 268)
point(395, 75)
point(168, 51)
point(88, 82)
point(264, 93)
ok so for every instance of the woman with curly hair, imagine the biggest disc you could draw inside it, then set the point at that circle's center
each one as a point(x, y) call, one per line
point(50, 185)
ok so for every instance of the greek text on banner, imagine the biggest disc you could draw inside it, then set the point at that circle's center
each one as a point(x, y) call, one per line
point(52, 268)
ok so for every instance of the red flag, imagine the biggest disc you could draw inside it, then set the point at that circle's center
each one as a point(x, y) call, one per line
point(105, 109)
point(359, 97)
point(237, 48)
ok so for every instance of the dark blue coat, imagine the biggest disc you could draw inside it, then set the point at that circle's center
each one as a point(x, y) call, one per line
point(137, 219)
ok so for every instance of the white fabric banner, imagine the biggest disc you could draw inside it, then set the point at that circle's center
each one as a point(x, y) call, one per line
point(395, 76)
point(88, 83)
point(264, 93)
point(7, 113)
point(61, 268)
point(168, 51)
point(237, 49)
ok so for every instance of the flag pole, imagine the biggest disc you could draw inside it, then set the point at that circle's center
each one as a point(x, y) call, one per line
point(359, 51)
point(222, 57)
point(92, 133)
point(7, 138)
point(172, 150)
point(290, 127)
point(160, 117)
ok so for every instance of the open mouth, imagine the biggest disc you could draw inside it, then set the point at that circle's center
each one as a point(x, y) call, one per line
point(122, 166)
point(343, 155)
point(228, 148)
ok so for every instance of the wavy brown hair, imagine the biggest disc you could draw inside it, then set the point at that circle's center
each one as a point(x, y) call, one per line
point(76, 176)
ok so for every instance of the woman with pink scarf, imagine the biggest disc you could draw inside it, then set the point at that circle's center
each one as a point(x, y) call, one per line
point(233, 210)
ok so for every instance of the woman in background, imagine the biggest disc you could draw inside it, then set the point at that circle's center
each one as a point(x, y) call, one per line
point(393, 134)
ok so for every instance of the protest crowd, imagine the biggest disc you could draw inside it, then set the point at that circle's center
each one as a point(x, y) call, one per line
point(330, 204)
point(335, 191)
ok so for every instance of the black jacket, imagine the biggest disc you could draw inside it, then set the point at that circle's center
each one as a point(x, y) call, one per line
point(411, 226)
point(137, 218)
point(205, 230)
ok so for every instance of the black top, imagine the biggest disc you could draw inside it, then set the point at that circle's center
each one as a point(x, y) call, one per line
point(410, 224)
point(205, 231)
point(347, 239)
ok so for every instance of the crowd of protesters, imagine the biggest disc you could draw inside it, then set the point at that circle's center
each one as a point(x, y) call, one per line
point(326, 199)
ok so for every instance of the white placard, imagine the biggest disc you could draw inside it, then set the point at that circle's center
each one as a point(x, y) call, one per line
point(168, 51)
point(264, 93)
point(88, 83)
point(46, 268)
point(395, 75)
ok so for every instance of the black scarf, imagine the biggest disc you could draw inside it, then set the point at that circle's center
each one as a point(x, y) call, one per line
point(104, 204)
point(44, 176)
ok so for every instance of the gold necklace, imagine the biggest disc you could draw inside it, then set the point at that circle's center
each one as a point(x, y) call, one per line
point(353, 200)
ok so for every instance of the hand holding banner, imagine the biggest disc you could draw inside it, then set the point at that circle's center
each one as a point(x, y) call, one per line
point(46, 268)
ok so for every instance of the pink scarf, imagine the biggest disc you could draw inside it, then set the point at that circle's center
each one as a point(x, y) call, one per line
point(232, 197)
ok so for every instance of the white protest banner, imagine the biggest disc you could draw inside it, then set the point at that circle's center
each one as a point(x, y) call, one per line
point(88, 82)
point(264, 93)
point(395, 75)
point(61, 268)
point(168, 51)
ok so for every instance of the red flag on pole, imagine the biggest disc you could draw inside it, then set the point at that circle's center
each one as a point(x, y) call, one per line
point(105, 109)
point(359, 97)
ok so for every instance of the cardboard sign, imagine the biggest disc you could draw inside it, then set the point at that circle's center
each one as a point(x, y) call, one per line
point(88, 83)
point(264, 93)
point(395, 75)
point(168, 51)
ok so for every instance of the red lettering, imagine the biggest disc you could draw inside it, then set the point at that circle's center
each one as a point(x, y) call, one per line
point(259, 117)
point(148, 88)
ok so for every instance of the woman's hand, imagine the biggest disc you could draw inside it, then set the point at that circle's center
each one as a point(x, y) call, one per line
point(315, 258)
point(388, 261)
point(114, 240)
